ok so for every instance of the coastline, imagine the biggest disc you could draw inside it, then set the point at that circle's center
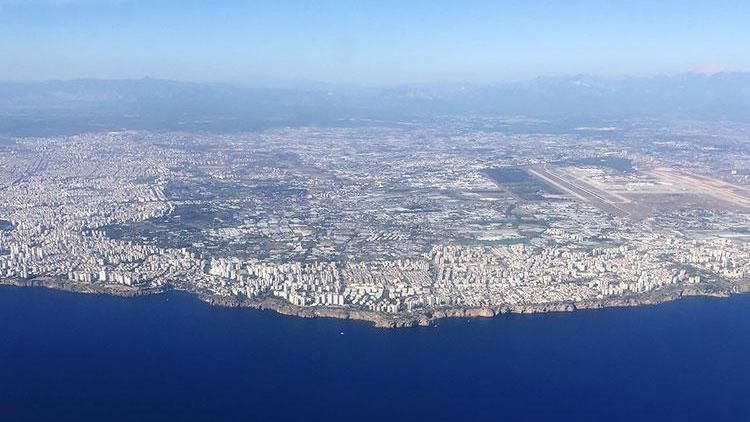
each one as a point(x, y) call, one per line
point(382, 320)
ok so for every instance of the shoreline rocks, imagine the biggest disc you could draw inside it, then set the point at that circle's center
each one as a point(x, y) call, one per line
point(382, 320)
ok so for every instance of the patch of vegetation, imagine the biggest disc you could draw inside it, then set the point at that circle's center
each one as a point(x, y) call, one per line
point(519, 182)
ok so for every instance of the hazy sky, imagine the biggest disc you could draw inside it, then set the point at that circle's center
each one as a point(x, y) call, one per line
point(368, 41)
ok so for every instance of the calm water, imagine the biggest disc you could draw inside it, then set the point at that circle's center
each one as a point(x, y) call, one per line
point(65, 356)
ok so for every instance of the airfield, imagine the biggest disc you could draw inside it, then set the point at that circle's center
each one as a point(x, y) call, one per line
point(637, 194)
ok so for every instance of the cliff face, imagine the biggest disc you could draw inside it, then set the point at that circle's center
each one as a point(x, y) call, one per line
point(85, 288)
point(429, 317)
point(383, 320)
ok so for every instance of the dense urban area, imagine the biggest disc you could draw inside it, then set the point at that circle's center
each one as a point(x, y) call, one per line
point(398, 224)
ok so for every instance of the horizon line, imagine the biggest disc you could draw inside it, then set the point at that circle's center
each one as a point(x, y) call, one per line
point(267, 82)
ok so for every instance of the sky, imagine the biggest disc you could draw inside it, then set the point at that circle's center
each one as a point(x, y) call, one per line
point(368, 42)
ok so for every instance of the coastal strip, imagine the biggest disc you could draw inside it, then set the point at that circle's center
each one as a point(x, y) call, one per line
point(384, 320)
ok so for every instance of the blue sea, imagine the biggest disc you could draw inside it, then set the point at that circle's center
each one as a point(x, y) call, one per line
point(65, 356)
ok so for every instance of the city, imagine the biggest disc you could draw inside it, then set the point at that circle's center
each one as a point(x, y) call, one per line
point(398, 224)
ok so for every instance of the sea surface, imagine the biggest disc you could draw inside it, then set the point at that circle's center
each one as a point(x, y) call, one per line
point(65, 356)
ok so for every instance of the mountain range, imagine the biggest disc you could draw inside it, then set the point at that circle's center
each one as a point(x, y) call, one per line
point(87, 104)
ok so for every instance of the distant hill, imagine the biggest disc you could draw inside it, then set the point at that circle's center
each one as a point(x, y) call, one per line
point(86, 104)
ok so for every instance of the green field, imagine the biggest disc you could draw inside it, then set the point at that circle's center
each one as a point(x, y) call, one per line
point(520, 183)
